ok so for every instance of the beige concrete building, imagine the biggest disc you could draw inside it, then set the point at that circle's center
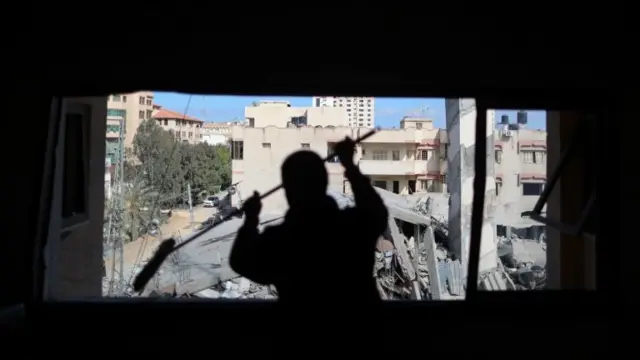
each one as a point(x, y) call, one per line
point(216, 133)
point(183, 127)
point(133, 108)
point(281, 114)
point(520, 169)
point(360, 110)
point(403, 160)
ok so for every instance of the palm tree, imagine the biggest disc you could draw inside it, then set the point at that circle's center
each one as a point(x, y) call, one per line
point(140, 208)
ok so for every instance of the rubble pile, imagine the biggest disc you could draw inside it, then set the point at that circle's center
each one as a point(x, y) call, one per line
point(238, 288)
point(524, 260)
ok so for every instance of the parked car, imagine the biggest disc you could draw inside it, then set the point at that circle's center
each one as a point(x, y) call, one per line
point(212, 201)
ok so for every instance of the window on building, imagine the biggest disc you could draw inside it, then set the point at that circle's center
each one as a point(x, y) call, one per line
point(498, 155)
point(498, 187)
point(527, 157)
point(538, 157)
point(395, 155)
point(446, 150)
point(382, 184)
point(305, 145)
point(237, 150)
point(532, 189)
point(141, 114)
point(330, 151)
point(380, 155)
point(424, 154)
point(184, 134)
point(166, 122)
point(190, 134)
point(418, 125)
point(148, 114)
point(124, 98)
point(116, 97)
point(410, 155)
point(427, 185)
point(266, 145)
point(149, 101)
point(141, 100)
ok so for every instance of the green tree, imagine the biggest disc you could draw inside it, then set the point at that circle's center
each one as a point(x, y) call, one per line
point(157, 157)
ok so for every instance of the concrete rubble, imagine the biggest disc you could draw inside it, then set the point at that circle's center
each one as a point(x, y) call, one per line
point(413, 260)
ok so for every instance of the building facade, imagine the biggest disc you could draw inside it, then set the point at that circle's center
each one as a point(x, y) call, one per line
point(403, 160)
point(520, 169)
point(281, 114)
point(133, 109)
point(184, 128)
point(360, 110)
point(217, 133)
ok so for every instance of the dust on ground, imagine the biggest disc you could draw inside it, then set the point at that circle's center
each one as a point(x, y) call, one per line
point(143, 247)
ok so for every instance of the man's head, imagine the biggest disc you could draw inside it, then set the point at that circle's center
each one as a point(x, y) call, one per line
point(304, 177)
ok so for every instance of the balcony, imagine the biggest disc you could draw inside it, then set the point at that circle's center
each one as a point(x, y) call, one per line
point(398, 168)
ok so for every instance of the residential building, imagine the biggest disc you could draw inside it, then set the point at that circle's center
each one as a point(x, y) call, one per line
point(107, 178)
point(360, 110)
point(216, 133)
point(113, 137)
point(133, 109)
point(184, 128)
point(404, 160)
point(520, 169)
point(280, 114)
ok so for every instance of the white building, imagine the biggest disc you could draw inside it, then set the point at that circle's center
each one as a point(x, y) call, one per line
point(361, 110)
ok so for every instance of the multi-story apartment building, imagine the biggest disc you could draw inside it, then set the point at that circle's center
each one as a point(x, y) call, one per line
point(402, 160)
point(360, 110)
point(520, 168)
point(184, 128)
point(216, 133)
point(281, 114)
point(132, 109)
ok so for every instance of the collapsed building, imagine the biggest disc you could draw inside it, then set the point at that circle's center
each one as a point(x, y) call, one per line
point(413, 258)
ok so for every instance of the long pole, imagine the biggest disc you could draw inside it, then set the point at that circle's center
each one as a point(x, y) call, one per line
point(121, 208)
point(190, 206)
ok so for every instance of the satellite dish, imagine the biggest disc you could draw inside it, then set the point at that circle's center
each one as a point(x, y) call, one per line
point(232, 190)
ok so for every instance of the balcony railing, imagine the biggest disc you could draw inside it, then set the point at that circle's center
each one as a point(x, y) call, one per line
point(387, 167)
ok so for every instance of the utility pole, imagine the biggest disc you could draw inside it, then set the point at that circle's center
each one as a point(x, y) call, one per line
point(190, 206)
point(120, 177)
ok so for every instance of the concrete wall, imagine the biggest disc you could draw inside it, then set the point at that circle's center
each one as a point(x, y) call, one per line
point(280, 114)
point(75, 261)
point(461, 124)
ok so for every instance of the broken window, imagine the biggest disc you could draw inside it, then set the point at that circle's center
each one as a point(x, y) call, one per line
point(380, 184)
point(330, 151)
point(532, 189)
point(237, 150)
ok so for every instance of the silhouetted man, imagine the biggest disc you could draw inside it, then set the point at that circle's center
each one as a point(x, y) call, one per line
point(319, 252)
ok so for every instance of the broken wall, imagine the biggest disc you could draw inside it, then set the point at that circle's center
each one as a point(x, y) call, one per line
point(461, 125)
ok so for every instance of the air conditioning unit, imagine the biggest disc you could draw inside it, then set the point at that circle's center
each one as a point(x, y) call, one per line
point(506, 133)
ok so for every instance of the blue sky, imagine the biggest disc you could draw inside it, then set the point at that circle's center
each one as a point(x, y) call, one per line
point(388, 111)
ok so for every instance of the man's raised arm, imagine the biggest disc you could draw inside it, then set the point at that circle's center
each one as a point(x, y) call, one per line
point(248, 256)
point(369, 205)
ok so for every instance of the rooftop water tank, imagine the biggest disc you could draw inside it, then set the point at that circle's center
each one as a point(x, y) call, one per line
point(522, 117)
